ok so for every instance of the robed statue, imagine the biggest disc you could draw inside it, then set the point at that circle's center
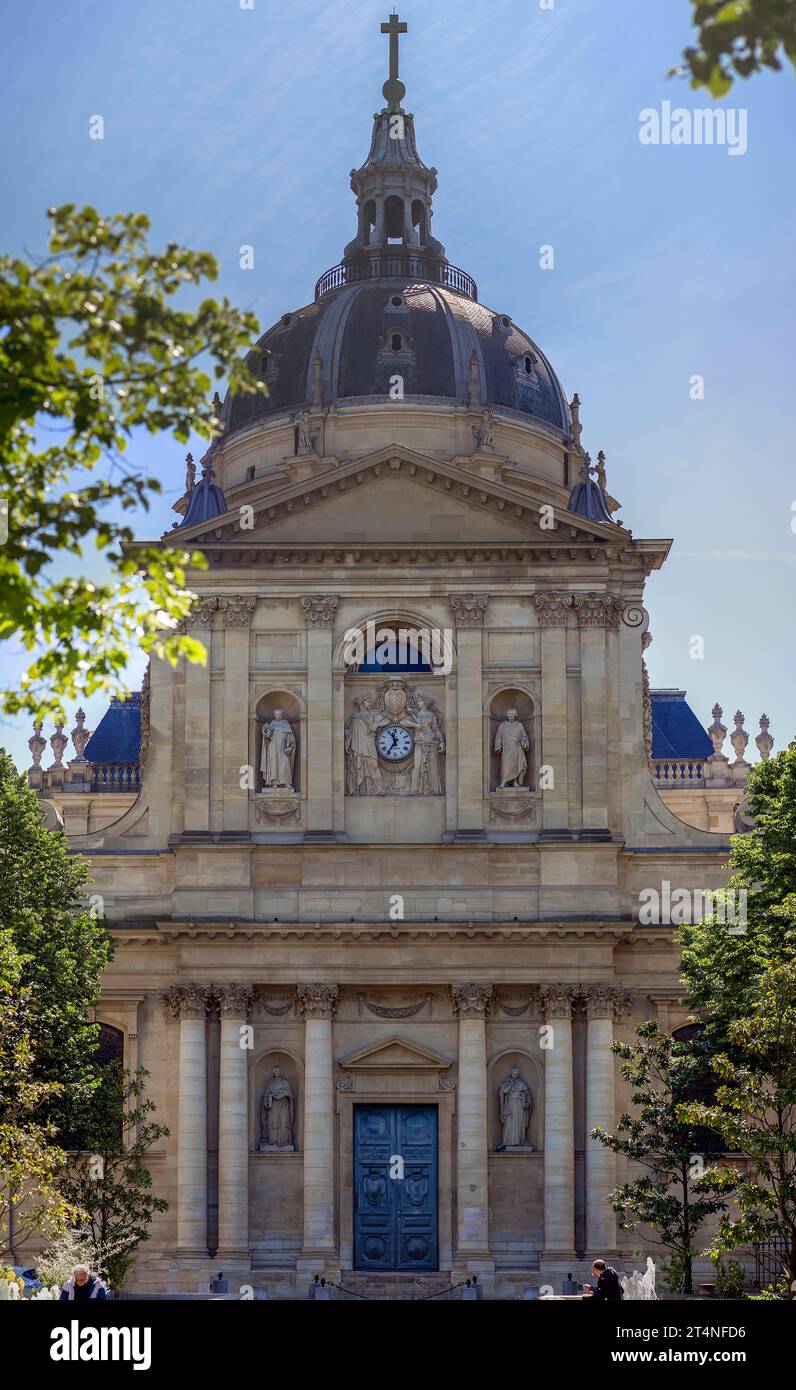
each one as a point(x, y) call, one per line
point(516, 1105)
point(279, 752)
point(277, 1114)
point(512, 743)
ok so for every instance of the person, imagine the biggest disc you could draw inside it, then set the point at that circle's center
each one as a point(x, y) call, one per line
point(82, 1285)
point(608, 1288)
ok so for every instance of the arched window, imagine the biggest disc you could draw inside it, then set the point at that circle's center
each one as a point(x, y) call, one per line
point(703, 1090)
point(419, 221)
point(394, 218)
point(396, 342)
point(395, 650)
point(368, 221)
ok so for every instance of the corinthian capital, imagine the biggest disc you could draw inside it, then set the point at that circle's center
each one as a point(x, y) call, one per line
point(471, 1000)
point(317, 1001)
point(469, 609)
point(184, 1001)
point(597, 609)
point(606, 1001)
point(319, 609)
point(201, 615)
point(233, 1000)
point(237, 610)
point(552, 609)
point(557, 1000)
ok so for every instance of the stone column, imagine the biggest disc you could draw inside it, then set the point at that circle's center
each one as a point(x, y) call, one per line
point(233, 1124)
point(552, 610)
point(468, 611)
point(595, 612)
point(237, 615)
point(603, 1002)
point(471, 1004)
point(319, 610)
point(188, 1004)
point(559, 1124)
point(197, 721)
point(317, 1003)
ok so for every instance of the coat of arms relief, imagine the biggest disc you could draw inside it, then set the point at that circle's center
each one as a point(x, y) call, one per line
point(395, 743)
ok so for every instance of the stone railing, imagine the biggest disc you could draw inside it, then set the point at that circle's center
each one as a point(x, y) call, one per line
point(400, 265)
point(681, 774)
point(115, 777)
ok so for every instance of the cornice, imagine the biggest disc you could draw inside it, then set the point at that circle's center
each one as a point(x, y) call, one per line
point(168, 932)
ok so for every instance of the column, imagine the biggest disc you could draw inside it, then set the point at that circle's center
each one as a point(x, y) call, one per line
point(552, 611)
point(468, 611)
point(317, 1003)
point(237, 615)
point(197, 721)
point(595, 612)
point(233, 1124)
point(471, 1004)
point(559, 1124)
point(602, 1003)
point(319, 610)
point(187, 1003)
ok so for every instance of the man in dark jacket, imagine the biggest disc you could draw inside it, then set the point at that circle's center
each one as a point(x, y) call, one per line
point(607, 1288)
point(82, 1285)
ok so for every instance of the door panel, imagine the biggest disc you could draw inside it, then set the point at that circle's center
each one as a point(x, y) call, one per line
point(395, 1220)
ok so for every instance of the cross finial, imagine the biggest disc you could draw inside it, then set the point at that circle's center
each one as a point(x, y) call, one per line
point(393, 89)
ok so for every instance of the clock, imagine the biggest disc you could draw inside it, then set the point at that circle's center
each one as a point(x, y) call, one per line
point(395, 743)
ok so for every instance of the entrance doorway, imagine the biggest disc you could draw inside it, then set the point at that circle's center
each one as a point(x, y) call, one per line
point(395, 1218)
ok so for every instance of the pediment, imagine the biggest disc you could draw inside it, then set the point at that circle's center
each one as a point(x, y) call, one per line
point(394, 1054)
point(397, 495)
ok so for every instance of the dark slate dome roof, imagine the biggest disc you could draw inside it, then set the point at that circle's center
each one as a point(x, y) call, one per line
point(364, 333)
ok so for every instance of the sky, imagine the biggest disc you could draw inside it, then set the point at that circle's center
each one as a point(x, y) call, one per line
point(236, 122)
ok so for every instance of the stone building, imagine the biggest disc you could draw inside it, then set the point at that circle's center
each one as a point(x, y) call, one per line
point(373, 872)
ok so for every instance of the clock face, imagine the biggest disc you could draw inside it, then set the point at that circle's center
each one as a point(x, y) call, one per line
point(395, 743)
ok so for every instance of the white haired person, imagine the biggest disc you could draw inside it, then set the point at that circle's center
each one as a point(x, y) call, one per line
point(83, 1284)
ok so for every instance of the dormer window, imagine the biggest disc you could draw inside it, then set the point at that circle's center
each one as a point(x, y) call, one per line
point(527, 363)
point(396, 342)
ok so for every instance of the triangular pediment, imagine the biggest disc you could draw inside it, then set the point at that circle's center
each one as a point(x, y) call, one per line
point(394, 1053)
point(398, 495)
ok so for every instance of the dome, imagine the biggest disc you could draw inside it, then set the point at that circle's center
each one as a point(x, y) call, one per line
point(348, 345)
point(396, 308)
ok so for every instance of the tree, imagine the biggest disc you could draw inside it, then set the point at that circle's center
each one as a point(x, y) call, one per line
point(719, 963)
point(93, 350)
point(755, 1112)
point(677, 1193)
point(111, 1184)
point(60, 948)
point(31, 1161)
point(736, 38)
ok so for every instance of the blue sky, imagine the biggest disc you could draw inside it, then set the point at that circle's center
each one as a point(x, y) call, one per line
point(232, 126)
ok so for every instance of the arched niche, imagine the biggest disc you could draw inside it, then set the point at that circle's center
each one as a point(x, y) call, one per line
point(498, 705)
point(291, 1069)
point(394, 218)
point(530, 1069)
point(266, 710)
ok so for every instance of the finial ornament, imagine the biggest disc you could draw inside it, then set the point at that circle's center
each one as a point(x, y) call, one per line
point(190, 473)
point(717, 732)
point(738, 738)
point(394, 90)
point(764, 740)
point(577, 428)
point(599, 471)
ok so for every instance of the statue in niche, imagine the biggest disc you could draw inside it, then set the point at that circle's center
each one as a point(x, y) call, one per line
point(427, 765)
point(516, 1106)
point(304, 430)
point(363, 774)
point(512, 743)
point(483, 433)
point(278, 753)
point(277, 1113)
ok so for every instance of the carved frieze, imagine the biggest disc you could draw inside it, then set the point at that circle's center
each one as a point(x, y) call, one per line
point(277, 810)
point(512, 809)
point(397, 1011)
point(395, 743)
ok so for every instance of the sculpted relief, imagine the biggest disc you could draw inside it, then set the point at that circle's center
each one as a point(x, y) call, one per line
point(394, 743)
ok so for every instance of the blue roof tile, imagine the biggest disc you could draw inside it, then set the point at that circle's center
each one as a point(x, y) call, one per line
point(676, 731)
point(117, 737)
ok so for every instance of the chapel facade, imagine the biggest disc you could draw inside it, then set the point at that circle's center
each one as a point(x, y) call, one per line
point(374, 884)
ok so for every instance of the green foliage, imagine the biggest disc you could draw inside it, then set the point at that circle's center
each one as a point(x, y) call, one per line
point(670, 1197)
point(111, 1184)
point(720, 967)
point(736, 38)
point(94, 349)
point(755, 1112)
point(730, 1276)
point(58, 948)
